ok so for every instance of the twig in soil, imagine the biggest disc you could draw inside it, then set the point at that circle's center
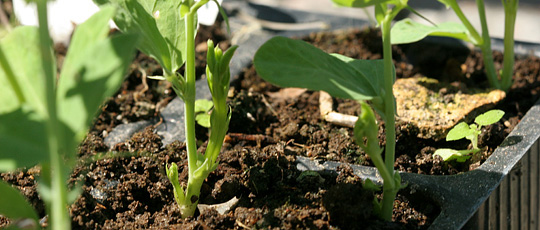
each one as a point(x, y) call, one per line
point(139, 94)
point(235, 137)
point(269, 106)
point(161, 104)
point(242, 225)
point(325, 106)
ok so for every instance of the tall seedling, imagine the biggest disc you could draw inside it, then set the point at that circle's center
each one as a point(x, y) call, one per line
point(292, 63)
point(42, 118)
point(168, 29)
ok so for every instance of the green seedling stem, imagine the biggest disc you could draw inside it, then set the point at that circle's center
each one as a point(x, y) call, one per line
point(200, 166)
point(390, 187)
point(59, 218)
point(510, 13)
point(485, 46)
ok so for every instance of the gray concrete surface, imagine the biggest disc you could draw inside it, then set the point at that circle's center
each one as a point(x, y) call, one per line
point(527, 22)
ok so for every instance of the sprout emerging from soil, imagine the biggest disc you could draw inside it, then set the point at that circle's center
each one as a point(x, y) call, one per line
point(168, 29)
point(469, 132)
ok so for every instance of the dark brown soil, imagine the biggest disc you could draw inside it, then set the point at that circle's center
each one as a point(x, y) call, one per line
point(128, 189)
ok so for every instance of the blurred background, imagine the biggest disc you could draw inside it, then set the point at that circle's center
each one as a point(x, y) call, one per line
point(527, 22)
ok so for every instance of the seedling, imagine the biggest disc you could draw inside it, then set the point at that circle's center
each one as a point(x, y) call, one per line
point(291, 63)
point(465, 31)
point(168, 29)
point(469, 132)
point(43, 118)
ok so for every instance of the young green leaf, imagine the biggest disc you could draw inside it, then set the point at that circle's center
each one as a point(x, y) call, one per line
point(202, 107)
point(489, 117)
point(292, 63)
point(452, 154)
point(459, 131)
point(369, 185)
point(408, 31)
point(14, 205)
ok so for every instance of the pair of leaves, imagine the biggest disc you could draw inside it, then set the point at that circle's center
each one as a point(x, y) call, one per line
point(293, 63)
point(471, 132)
point(463, 130)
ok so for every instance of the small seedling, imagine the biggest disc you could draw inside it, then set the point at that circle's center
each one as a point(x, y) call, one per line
point(469, 132)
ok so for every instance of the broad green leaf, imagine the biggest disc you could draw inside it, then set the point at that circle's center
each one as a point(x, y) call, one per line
point(372, 68)
point(93, 30)
point(23, 138)
point(22, 129)
point(459, 131)
point(489, 117)
point(408, 31)
point(23, 60)
point(360, 3)
point(451, 154)
point(94, 79)
point(293, 63)
point(171, 25)
point(13, 205)
point(136, 17)
point(160, 25)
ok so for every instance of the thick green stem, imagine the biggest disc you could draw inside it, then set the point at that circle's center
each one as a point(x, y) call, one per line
point(510, 13)
point(58, 204)
point(487, 53)
point(189, 94)
point(187, 207)
point(389, 187)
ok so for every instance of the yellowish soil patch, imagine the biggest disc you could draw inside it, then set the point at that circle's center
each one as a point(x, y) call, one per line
point(433, 108)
